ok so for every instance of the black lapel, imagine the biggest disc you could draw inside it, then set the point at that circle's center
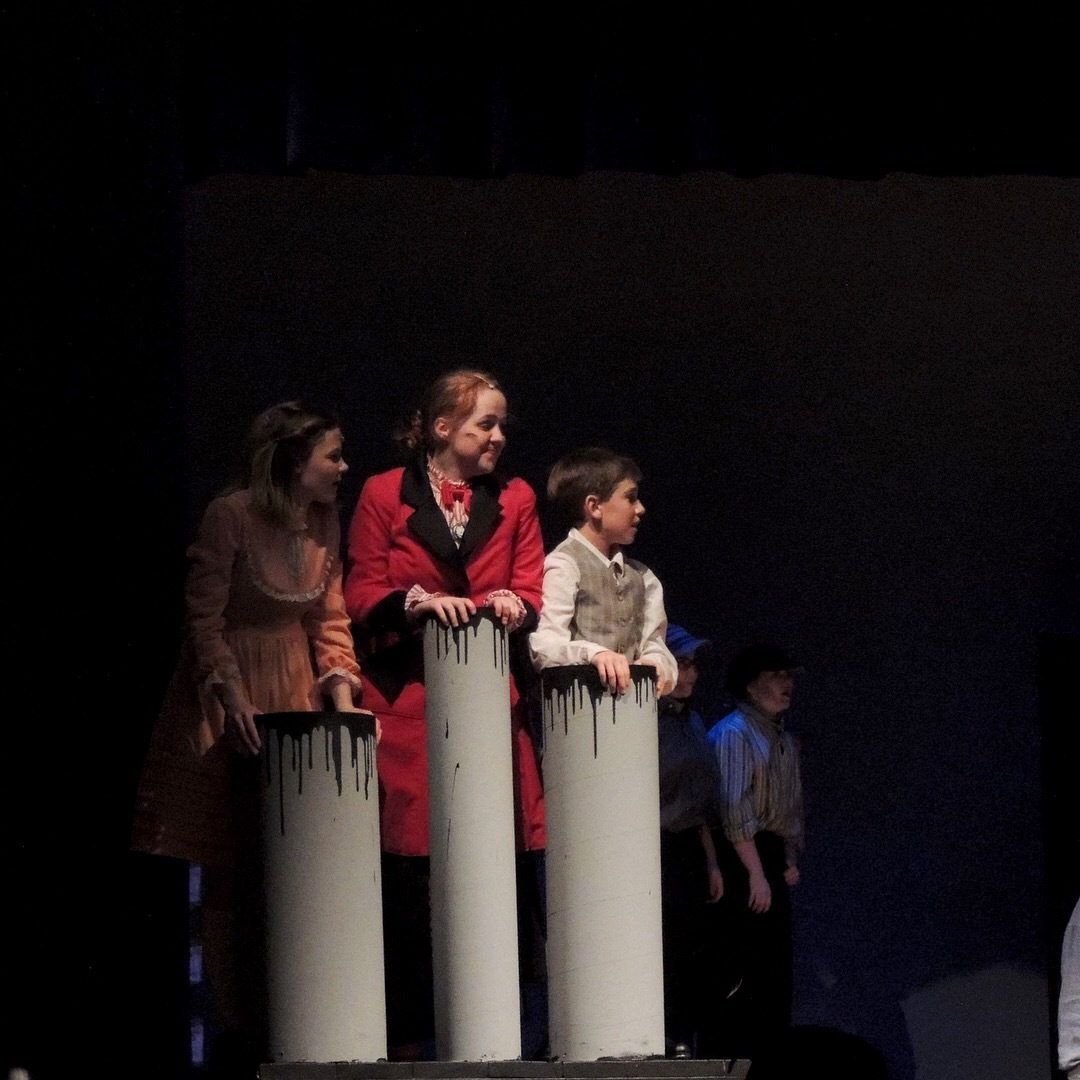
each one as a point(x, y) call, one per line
point(427, 523)
point(484, 515)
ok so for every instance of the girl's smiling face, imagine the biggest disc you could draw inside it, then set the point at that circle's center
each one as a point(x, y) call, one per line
point(471, 446)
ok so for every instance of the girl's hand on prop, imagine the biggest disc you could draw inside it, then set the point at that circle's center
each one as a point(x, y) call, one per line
point(241, 731)
point(348, 706)
point(450, 610)
point(509, 609)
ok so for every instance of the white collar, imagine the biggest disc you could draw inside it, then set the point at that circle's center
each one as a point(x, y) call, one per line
point(615, 560)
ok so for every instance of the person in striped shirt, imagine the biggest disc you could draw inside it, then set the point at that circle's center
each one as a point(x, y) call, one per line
point(761, 807)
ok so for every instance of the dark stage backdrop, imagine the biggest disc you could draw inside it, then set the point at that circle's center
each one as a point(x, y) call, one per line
point(855, 401)
point(856, 407)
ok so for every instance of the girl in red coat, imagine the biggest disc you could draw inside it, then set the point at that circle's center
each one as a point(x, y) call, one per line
point(440, 537)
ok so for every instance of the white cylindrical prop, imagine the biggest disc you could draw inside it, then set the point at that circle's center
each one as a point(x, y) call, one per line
point(323, 888)
point(602, 793)
point(473, 885)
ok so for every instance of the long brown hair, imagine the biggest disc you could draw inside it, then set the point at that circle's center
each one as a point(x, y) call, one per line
point(280, 442)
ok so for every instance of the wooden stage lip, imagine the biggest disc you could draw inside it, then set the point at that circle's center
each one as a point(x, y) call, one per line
point(610, 1069)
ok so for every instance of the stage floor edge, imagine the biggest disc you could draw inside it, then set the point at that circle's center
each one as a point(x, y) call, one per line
point(609, 1069)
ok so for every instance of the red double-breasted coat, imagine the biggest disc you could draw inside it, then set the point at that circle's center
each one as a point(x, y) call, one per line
point(399, 538)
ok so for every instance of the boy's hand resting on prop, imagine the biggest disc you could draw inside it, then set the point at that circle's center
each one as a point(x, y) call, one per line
point(614, 671)
point(663, 685)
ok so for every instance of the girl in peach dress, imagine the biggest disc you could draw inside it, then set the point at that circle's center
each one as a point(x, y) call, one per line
point(266, 631)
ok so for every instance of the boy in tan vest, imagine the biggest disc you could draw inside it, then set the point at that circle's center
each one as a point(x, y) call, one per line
point(600, 607)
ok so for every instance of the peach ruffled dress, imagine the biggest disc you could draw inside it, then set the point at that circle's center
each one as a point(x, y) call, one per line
point(263, 603)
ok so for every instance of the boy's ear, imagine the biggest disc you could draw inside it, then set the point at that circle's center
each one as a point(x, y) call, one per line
point(592, 507)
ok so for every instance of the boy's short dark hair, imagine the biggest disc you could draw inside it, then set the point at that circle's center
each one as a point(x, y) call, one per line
point(592, 470)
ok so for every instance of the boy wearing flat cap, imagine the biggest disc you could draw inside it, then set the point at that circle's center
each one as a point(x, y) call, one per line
point(761, 806)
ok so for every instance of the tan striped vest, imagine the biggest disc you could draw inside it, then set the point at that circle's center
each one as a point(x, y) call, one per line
point(609, 609)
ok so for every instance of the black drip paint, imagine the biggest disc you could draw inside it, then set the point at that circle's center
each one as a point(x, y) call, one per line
point(450, 808)
point(332, 745)
point(498, 642)
point(558, 683)
point(460, 637)
point(500, 659)
point(369, 762)
point(294, 727)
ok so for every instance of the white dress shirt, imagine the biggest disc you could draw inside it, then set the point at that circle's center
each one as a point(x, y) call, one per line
point(551, 645)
